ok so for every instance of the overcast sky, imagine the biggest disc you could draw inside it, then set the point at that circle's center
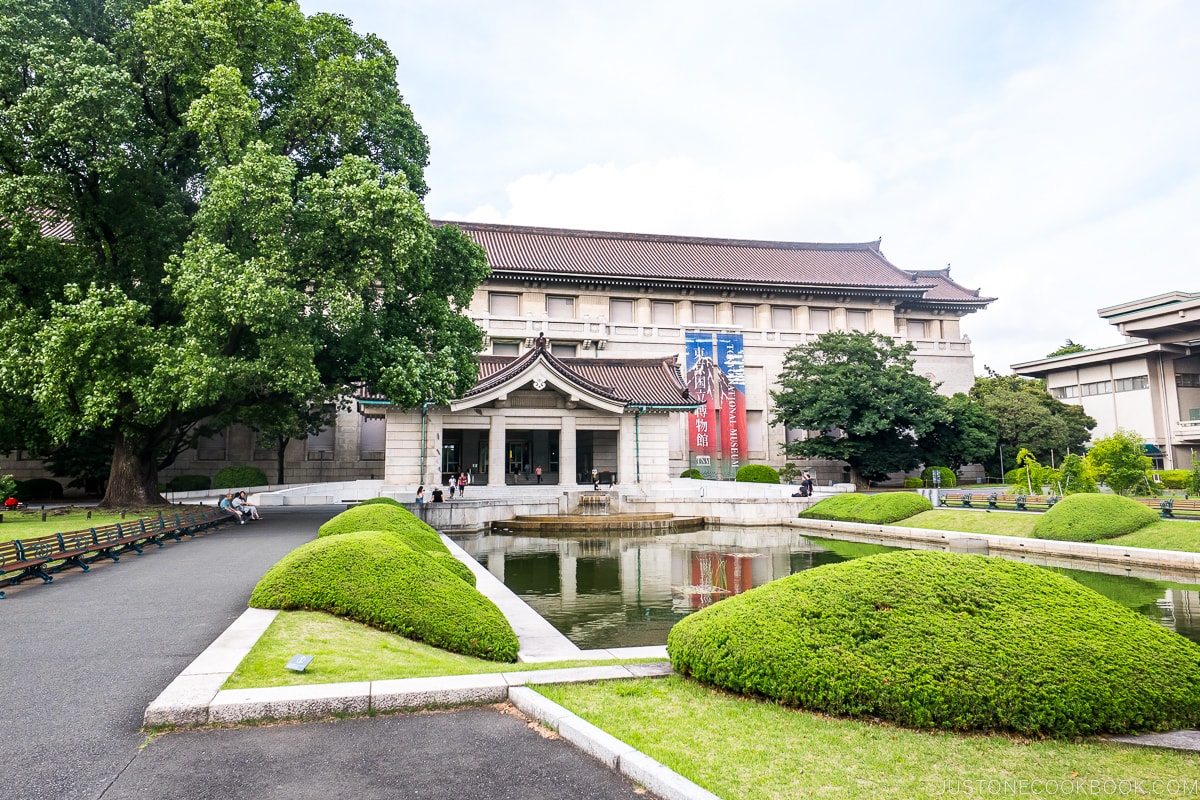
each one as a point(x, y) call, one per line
point(1047, 151)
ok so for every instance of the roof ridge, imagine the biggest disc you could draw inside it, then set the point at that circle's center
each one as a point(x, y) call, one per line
point(872, 246)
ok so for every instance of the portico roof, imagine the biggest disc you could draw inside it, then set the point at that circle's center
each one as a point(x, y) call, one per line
point(615, 384)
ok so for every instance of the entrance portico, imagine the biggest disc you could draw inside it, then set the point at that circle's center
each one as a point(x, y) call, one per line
point(567, 416)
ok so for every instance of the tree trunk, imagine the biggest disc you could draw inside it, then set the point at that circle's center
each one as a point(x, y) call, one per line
point(280, 445)
point(133, 479)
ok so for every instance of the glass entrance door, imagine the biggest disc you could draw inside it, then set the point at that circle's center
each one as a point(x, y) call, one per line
point(518, 457)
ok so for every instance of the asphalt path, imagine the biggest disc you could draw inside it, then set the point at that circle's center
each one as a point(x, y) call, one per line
point(82, 657)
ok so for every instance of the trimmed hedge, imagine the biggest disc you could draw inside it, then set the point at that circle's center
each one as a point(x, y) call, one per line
point(757, 473)
point(1174, 478)
point(945, 640)
point(382, 501)
point(189, 483)
point(385, 517)
point(1090, 517)
point(231, 477)
point(692, 473)
point(878, 509)
point(949, 478)
point(913, 483)
point(378, 580)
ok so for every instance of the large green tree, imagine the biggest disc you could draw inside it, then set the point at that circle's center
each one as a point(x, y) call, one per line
point(1120, 460)
point(1027, 417)
point(859, 399)
point(207, 206)
point(966, 436)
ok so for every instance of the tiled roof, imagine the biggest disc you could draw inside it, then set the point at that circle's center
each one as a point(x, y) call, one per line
point(945, 290)
point(632, 381)
point(552, 252)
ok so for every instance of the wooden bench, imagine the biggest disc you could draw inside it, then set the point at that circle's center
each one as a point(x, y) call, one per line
point(39, 556)
point(1168, 507)
point(1019, 502)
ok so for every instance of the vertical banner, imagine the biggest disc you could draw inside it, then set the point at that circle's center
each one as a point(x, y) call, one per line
point(716, 377)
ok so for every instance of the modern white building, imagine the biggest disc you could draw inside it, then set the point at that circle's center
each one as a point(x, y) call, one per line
point(1150, 384)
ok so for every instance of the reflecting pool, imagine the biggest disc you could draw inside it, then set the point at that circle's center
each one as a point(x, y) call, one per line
point(625, 591)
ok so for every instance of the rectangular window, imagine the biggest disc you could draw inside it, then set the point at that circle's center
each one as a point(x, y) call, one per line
point(704, 313)
point(564, 350)
point(620, 311)
point(1187, 380)
point(320, 446)
point(1095, 388)
point(916, 329)
point(856, 321)
point(560, 307)
point(502, 304)
point(372, 438)
point(818, 320)
point(212, 448)
point(1065, 392)
point(1131, 384)
point(754, 431)
point(744, 316)
point(781, 318)
point(662, 312)
point(506, 348)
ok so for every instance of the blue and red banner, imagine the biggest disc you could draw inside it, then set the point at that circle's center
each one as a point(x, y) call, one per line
point(716, 376)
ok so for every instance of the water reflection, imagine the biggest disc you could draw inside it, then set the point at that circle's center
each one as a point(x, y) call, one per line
point(622, 591)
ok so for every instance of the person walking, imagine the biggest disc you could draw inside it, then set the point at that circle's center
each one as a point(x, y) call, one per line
point(538, 472)
point(453, 485)
point(462, 484)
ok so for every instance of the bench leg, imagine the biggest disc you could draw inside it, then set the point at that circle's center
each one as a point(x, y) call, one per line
point(73, 561)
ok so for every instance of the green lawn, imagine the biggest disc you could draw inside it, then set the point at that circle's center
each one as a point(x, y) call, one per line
point(743, 749)
point(1181, 535)
point(28, 523)
point(348, 651)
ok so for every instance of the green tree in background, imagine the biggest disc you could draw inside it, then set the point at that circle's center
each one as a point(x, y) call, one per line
point(1028, 417)
point(1120, 461)
point(859, 392)
point(237, 194)
point(967, 436)
point(1067, 349)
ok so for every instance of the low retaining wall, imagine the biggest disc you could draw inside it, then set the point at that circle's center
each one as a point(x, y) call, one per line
point(1140, 561)
point(467, 516)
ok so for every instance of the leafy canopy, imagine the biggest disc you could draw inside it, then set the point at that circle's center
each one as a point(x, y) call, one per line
point(858, 393)
point(237, 193)
point(1027, 417)
point(1120, 460)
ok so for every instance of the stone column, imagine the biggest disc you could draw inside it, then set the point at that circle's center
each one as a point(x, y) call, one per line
point(567, 468)
point(627, 452)
point(496, 442)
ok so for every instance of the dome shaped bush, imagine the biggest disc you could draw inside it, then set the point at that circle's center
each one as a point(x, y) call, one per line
point(878, 509)
point(232, 477)
point(757, 473)
point(380, 581)
point(692, 473)
point(944, 640)
point(385, 501)
point(386, 517)
point(1091, 517)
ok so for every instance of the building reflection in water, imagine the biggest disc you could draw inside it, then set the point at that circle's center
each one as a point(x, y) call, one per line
point(624, 591)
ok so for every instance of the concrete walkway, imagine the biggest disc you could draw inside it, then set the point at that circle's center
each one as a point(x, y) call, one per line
point(84, 656)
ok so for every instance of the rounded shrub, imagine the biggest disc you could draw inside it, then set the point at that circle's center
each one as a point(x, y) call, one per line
point(230, 477)
point(692, 473)
point(878, 509)
point(945, 640)
point(382, 501)
point(1090, 517)
point(189, 483)
point(757, 473)
point(838, 507)
point(913, 483)
point(384, 517)
point(1173, 478)
point(453, 565)
point(380, 581)
point(949, 479)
